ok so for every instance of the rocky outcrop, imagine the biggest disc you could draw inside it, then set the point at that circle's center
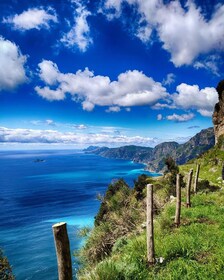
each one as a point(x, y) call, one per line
point(218, 115)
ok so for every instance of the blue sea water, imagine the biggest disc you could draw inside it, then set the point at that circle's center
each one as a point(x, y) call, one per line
point(35, 195)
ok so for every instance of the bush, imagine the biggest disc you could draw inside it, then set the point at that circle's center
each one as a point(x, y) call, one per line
point(204, 185)
point(119, 214)
point(113, 188)
point(140, 184)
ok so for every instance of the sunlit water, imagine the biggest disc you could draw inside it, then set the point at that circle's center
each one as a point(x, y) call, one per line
point(35, 195)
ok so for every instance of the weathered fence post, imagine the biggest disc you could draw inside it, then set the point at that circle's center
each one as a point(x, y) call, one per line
point(196, 178)
point(188, 199)
point(178, 201)
point(62, 251)
point(149, 223)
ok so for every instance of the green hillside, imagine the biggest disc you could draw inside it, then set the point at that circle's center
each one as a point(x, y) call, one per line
point(211, 163)
point(116, 247)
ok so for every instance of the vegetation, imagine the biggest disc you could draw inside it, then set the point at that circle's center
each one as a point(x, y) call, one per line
point(116, 247)
point(5, 268)
point(211, 164)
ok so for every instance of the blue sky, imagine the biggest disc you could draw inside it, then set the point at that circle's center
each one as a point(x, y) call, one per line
point(113, 72)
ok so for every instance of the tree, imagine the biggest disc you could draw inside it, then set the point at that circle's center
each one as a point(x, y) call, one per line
point(139, 186)
point(171, 165)
point(172, 171)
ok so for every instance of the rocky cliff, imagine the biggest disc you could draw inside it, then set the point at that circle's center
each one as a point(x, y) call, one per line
point(218, 115)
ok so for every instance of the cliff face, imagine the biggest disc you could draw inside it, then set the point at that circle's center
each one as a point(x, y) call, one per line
point(218, 115)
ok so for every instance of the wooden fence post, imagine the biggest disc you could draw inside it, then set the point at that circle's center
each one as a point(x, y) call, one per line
point(196, 178)
point(149, 223)
point(178, 201)
point(62, 251)
point(188, 199)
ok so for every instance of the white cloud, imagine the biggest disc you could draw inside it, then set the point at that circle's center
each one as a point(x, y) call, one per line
point(48, 72)
point(79, 34)
point(170, 79)
point(12, 65)
point(205, 113)
point(35, 18)
point(45, 122)
point(191, 97)
point(80, 126)
point(132, 88)
point(180, 118)
point(144, 33)
point(159, 117)
point(18, 135)
point(161, 106)
point(111, 8)
point(184, 32)
point(50, 94)
point(114, 109)
point(210, 63)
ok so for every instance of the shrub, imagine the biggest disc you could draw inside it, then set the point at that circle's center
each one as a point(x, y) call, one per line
point(140, 184)
point(204, 185)
point(119, 214)
point(113, 188)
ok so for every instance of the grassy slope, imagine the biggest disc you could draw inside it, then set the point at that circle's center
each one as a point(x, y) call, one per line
point(211, 164)
point(195, 250)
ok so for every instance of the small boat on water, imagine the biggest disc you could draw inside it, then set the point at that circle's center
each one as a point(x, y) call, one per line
point(39, 160)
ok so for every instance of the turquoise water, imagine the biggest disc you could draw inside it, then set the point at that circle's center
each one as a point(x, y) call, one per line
point(35, 195)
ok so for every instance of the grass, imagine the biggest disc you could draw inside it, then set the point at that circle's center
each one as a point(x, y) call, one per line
point(211, 163)
point(195, 250)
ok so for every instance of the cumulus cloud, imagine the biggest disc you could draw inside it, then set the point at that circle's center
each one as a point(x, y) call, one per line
point(132, 88)
point(36, 18)
point(79, 33)
point(185, 32)
point(191, 97)
point(12, 65)
point(180, 118)
point(50, 94)
point(18, 135)
point(48, 72)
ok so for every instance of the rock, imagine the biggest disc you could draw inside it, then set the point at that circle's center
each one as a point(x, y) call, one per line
point(218, 115)
point(172, 198)
point(143, 225)
point(160, 260)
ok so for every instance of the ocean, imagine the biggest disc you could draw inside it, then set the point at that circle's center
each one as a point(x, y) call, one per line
point(40, 188)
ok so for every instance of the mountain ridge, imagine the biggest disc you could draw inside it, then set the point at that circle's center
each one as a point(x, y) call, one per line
point(154, 157)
